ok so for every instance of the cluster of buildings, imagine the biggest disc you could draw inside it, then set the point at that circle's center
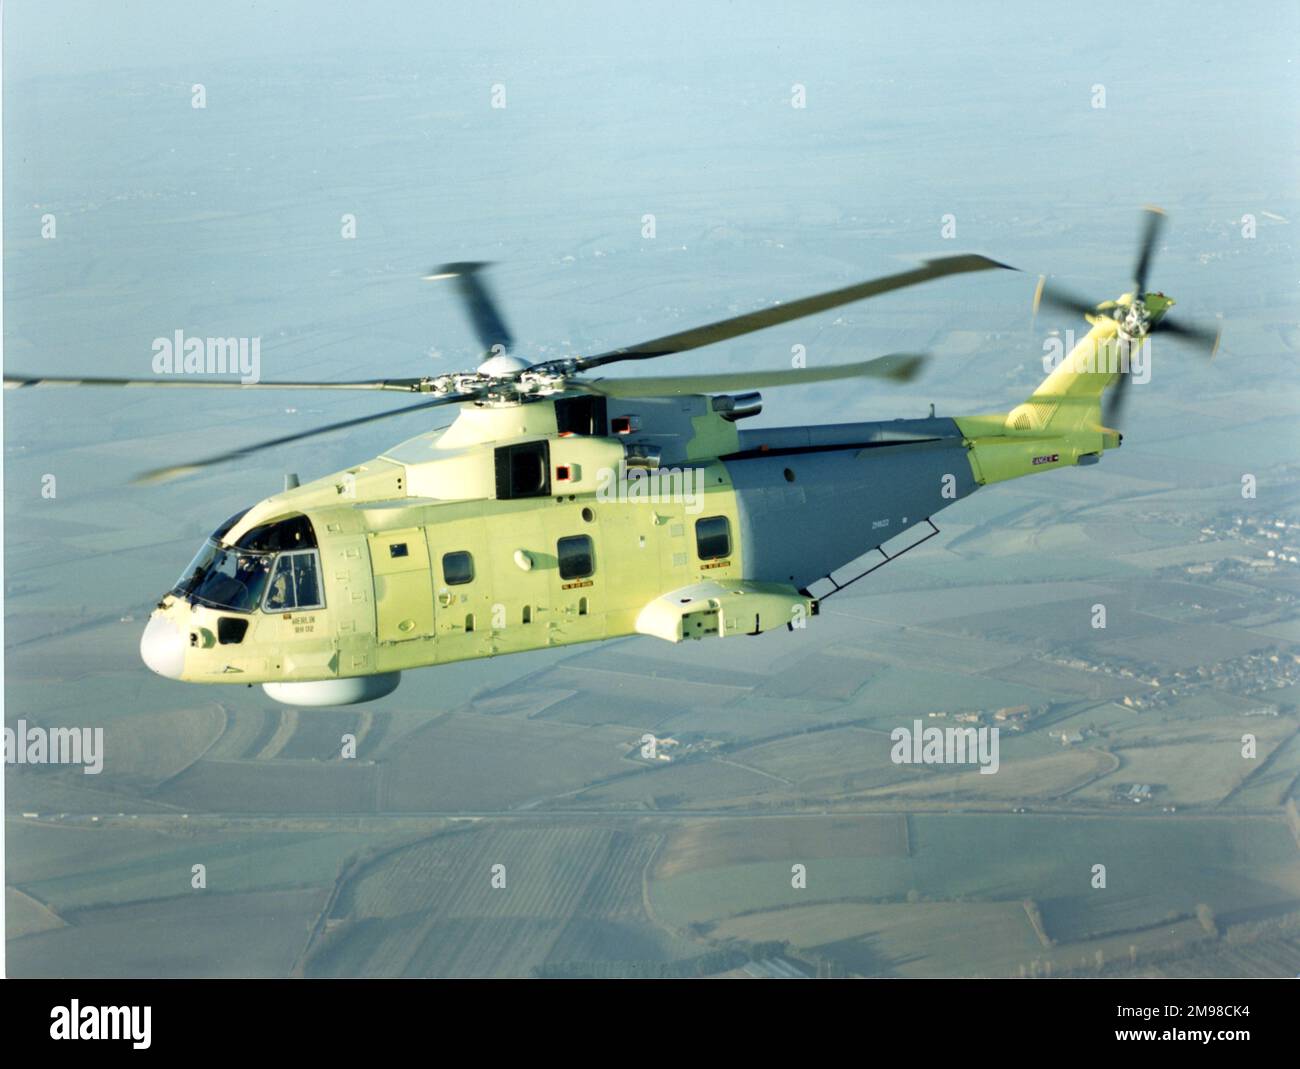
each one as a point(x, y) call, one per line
point(1269, 543)
point(1251, 674)
point(1133, 792)
point(1013, 717)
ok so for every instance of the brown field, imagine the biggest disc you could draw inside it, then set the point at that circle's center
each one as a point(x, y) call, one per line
point(430, 909)
point(712, 783)
point(318, 734)
point(212, 935)
point(1202, 772)
point(918, 939)
point(704, 844)
point(1028, 777)
point(442, 765)
point(828, 763)
point(287, 787)
point(243, 736)
point(150, 748)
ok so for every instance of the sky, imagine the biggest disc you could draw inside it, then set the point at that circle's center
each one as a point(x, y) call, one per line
point(1039, 134)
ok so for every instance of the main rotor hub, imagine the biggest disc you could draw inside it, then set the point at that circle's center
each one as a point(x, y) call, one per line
point(502, 365)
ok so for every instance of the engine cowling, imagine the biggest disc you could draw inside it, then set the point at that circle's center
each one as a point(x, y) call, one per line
point(350, 691)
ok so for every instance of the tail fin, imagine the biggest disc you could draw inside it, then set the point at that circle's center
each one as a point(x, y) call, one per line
point(1060, 423)
point(1070, 398)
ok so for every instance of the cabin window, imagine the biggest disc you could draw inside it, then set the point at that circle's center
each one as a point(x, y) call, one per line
point(523, 470)
point(295, 583)
point(577, 557)
point(713, 537)
point(457, 568)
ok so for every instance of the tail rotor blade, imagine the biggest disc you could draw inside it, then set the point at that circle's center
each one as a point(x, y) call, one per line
point(1204, 337)
point(1056, 297)
point(1114, 412)
point(1154, 220)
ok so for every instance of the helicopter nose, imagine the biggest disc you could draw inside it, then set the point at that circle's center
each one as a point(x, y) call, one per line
point(162, 647)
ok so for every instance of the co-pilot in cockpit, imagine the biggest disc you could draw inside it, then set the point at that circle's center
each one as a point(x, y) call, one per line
point(275, 566)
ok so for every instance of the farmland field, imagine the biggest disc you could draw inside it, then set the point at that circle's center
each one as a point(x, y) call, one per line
point(991, 858)
point(560, 894)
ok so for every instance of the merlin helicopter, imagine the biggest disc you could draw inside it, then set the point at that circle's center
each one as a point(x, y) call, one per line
point(561, 507)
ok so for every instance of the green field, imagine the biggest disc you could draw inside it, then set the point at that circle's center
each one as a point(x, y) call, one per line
point(1012, 857)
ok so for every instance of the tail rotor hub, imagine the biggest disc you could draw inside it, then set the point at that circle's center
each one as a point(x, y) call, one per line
point(1134, 321)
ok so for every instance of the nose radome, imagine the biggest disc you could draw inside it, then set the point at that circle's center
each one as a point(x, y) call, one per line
point(162, 647)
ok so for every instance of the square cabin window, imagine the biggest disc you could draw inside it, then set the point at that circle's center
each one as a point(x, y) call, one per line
point(577, 557)
point(713, 537)
point(457, 568)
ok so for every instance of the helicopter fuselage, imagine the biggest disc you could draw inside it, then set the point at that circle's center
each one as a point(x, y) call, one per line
point(564, 521)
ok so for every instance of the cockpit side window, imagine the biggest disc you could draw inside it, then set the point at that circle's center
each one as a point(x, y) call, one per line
point(295, 583)
point(222, 578)
point(249, 574)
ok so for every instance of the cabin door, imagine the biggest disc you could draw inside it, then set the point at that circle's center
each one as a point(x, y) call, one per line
point(403, 587)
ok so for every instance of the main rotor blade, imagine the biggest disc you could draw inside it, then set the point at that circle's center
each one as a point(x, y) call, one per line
point(900, 367)
point(784, 313)
point(1154, 220)
point(162, 474)
point(483, 315)
point(15, 382)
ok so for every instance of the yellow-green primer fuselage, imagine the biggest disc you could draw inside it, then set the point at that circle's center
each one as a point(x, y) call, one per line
point(506, 532)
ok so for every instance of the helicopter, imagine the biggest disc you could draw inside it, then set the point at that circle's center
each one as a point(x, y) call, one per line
point(561, 508)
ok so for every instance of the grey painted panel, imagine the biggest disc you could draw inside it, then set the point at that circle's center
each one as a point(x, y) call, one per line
point(894, 430)
point(842, 504)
